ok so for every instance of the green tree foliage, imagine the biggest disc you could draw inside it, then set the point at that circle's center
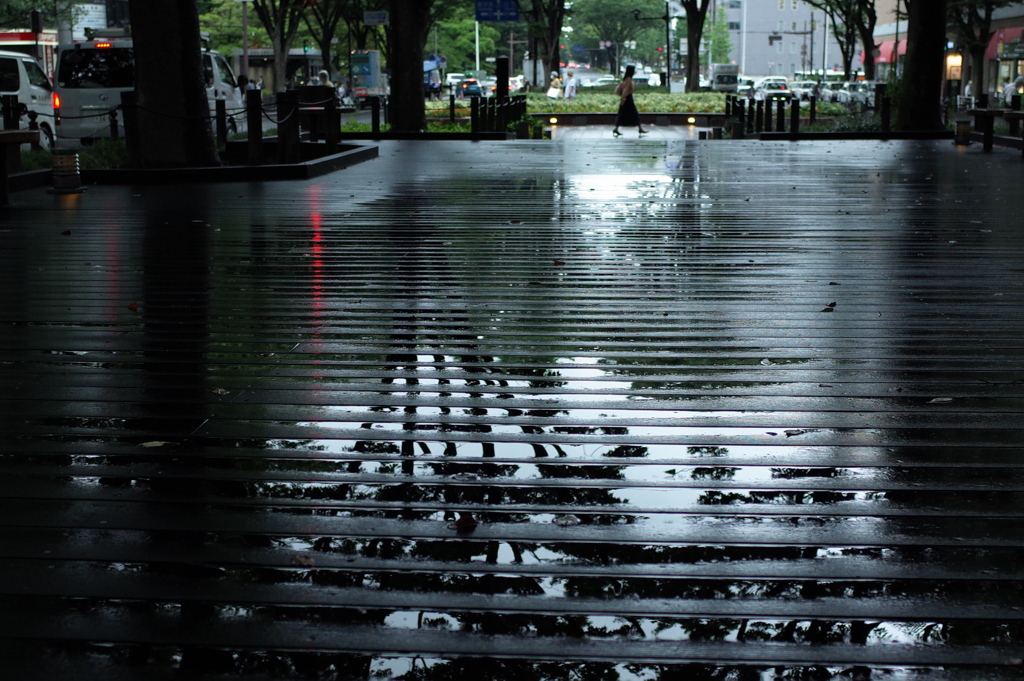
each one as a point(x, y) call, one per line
point(721, 43)
point(547, 18)
point(456, 40)
point(222, 20)
point(594, 21)
point(324, 19)
point(281, 19)
point(15, 13)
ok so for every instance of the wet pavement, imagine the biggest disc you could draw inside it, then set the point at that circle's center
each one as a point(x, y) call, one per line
point(581, 409)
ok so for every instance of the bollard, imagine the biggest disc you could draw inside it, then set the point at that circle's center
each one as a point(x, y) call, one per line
point(375, 114)
point(254, 119)
point(11, 111)
point(221, 113)
point(814, 110)
point(794, 119)
point(962, 136)
point(67, 176)
point(451, 108)
point(132, 138)
point(332, 124)
point(474, 114)
point(759, 116)
point(288, 145)
point(880, 90)
point(780, 116)
point(33, 124)
point(768, 106)
point(741, 113)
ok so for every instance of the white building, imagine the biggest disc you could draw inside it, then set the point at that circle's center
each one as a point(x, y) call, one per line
point(780, 37)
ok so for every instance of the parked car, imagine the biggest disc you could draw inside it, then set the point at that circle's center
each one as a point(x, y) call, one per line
point(22, 76)
point(803, 89)
point(862, 93)
point(830, 91)
point(601, 80)
point(469, 88)
point(772, 88)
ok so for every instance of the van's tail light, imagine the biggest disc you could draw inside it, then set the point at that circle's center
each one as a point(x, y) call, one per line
point(55, 99)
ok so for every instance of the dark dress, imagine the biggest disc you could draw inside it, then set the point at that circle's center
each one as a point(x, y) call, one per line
point(628, 116)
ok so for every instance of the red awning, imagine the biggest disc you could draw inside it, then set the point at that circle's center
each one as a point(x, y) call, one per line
point(886, 50)
point(1002, 35)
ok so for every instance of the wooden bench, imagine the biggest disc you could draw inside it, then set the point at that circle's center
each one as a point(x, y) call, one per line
point(10, 156)
point(984, 122)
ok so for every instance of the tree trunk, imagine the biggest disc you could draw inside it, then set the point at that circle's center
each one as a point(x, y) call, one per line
point(693, 35)
point(173, 114)
point(409, 21)
point(921, 94)
point(867, 18)
point(696, 12)
point(281, 19)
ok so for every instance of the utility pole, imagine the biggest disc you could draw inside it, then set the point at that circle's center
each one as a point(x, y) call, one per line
point(668, 40)
point(810, 55)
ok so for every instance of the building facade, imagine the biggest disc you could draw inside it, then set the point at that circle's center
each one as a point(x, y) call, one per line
point(780, 37)
point(1004, 56)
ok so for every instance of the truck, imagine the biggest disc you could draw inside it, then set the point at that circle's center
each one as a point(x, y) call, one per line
point(368, 79)
point(724, 77)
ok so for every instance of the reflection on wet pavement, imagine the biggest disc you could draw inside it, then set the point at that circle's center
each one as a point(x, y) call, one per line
point(537, 410)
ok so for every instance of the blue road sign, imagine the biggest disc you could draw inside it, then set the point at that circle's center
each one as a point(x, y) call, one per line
point(497, 10)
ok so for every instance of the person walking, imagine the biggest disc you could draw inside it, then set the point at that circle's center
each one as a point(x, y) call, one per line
point(555, 86)
point(627, 115)
point(571, 84)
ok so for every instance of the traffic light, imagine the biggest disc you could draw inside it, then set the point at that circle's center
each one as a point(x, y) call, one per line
point(305, 46)
point(661, 49)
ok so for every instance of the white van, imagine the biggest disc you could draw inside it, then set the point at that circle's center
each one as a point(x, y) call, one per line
point(21, 75)
point(92, 74)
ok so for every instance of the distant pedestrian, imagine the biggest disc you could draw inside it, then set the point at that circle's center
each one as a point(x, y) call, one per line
point(628, 115)
point(1012, 89)
point(555, 86)
point(571, 84)
point(323, 78)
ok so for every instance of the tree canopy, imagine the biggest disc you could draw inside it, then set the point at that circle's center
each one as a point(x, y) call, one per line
point(15, 13)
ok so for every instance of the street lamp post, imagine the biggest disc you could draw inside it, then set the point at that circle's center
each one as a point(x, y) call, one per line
point(245, 37)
